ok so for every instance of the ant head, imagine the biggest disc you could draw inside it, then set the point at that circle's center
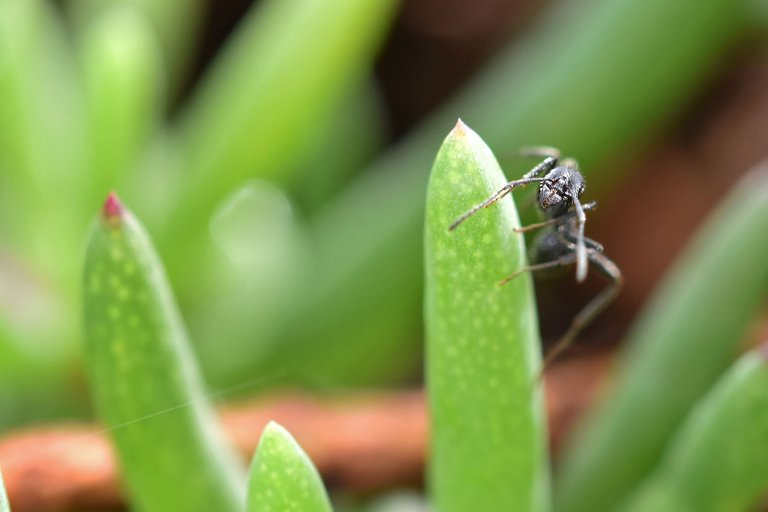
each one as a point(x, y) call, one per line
point(559, 187)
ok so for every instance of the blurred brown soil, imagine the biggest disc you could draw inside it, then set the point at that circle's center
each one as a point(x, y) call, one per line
point(362, 442)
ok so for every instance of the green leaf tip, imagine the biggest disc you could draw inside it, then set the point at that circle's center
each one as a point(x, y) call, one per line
point(483, 353)
point(461, 129)
point(283, 477)
point(144, 376)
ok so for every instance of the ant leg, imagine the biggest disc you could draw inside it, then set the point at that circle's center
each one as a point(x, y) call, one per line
point(587, 207)
point(562, 261)
point(549, 163)
point(588, 243)
point(506, 189)
point(594, 245)
point(609, 269)
point(581, 250)
point(536, 225)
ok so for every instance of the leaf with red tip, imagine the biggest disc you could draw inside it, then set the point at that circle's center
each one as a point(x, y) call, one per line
point(145, 380)
point(113, 208)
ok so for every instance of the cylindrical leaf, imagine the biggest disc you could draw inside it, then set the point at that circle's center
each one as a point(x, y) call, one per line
point(683, 341)
point(145, 380)
point(283, 477)
point(483, 350)
point(718, 461)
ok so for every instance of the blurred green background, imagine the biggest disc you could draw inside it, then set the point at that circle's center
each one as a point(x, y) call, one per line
point(278, 153)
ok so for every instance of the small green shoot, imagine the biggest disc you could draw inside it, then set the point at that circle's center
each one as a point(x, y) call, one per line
point(282, 476)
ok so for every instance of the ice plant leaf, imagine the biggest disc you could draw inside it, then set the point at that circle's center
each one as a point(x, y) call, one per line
point(283, 477)
point(145, 380)
point(687, 336)
point(483, 350)
point(717, 461)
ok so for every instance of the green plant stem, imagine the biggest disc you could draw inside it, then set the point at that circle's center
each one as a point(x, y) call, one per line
point(483, 351)
point(682, 342)
point(717, 461)
point(283, 477)
point(144, 377)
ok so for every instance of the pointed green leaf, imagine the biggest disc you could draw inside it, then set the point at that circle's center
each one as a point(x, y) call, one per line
point(718, 461)
point(483, 349)
point(687, 336)
point(145, 380)
point(282, 477)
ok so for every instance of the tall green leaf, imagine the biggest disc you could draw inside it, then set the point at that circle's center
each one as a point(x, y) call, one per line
point(282, 476)
point(718, 460)
point(682, 342)
point(144, 377)
point(483, 351)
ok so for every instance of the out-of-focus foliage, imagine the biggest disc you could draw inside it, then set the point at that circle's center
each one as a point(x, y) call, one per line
point(84, 109)
point(683, 341)
point(717, 462)
point(282, 477)
point(294, 241)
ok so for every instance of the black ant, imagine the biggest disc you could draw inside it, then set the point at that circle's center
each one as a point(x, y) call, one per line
point(564, 243)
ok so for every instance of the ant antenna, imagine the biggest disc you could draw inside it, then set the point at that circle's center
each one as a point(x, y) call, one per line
point(503, 191)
